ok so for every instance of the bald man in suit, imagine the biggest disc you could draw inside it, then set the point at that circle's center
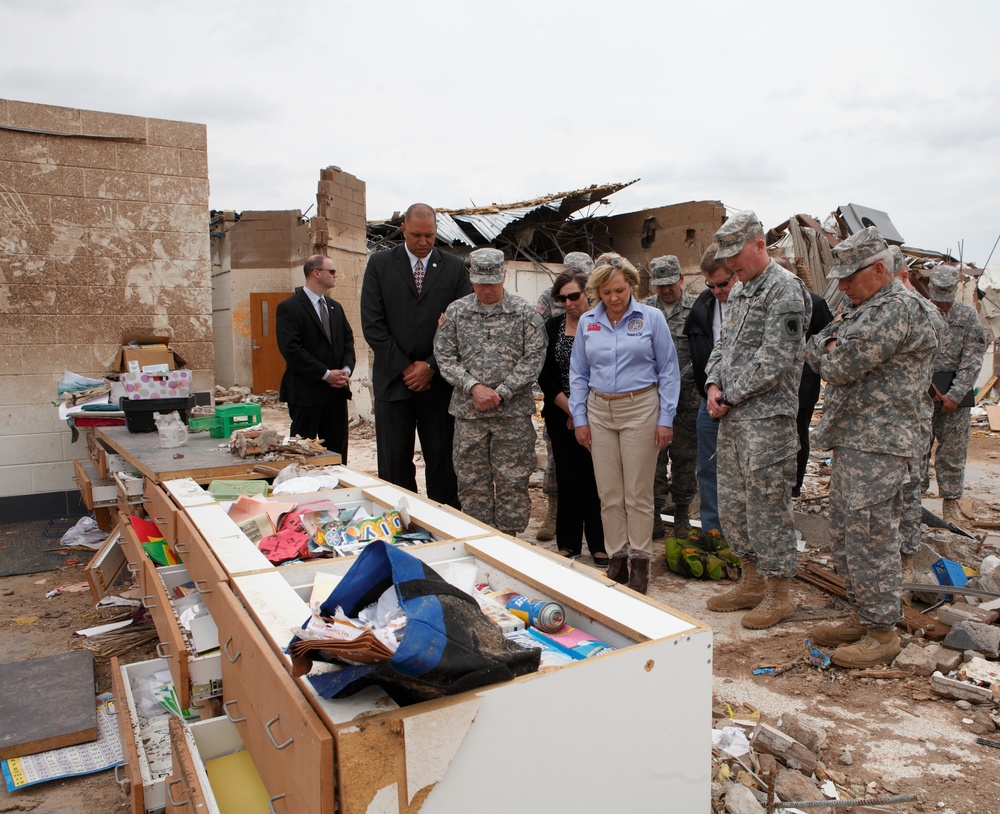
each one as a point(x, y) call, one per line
point(404, 294)
point(317, 343)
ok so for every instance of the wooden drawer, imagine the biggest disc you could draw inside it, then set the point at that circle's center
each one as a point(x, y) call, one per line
point(201, 564)
point(290, 746)
point(161, 510)
point(135, 554)
point(196, 677)
point(145, 740)
point(189, 788)
point(96, 491)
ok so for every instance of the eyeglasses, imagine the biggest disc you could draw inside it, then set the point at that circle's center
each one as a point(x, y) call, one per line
point(614, 262)
point(572, 297)
point(713, 286)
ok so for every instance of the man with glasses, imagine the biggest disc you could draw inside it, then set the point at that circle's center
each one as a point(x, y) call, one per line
point(317, 344)
point(679, 458)
point(876, 362)
point(702, 329)
point(753, 389)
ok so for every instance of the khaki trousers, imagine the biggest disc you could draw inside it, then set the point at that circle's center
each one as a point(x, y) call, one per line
point(623, 446)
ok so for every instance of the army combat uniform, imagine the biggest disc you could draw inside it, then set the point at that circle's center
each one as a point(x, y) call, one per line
point(876, 375)
point(757, 364)
point(503, 347)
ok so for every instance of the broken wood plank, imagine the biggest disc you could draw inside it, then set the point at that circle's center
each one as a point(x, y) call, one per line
point(912, 621)
point(993, 414)
point(794, 755)
point(984, 391)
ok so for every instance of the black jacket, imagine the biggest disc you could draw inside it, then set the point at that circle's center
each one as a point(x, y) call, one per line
point(398, 324)
point(698, 330)
point(309, 354)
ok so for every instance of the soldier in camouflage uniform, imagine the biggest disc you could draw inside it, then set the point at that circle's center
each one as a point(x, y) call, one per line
point(490, 347)
point(546, 308)
point(681, 456)
point(876, 362)
point(910, 520)
point(961, 358)
point(753, 389)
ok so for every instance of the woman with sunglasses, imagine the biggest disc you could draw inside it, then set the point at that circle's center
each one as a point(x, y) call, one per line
point(624, 384)
point(578, 510)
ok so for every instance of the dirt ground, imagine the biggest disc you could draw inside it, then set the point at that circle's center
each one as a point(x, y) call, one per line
point(889, 736)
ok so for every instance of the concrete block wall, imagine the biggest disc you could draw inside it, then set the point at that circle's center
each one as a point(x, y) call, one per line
point(339, 232)
point(103, 229)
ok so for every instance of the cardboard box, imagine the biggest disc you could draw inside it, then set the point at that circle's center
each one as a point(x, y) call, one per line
point(175, 384)
point(140, 351)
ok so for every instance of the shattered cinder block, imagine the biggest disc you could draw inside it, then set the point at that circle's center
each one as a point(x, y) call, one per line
point(946, 658)
point(790, 785)
point(961, 612)
point(951, 688)
point(789, 751)
point(982, 638)
point(916, 659)
point(806, 731)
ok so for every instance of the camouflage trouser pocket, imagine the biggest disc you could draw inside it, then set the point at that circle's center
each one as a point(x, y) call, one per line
point(876, 479)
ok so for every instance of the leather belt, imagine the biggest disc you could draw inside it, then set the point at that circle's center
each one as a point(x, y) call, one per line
point(616, 396)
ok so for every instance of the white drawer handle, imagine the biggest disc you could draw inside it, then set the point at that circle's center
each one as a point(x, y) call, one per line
point(225, 709)
point(170, 794)
point(225, 649)
point(159, 650)
point(270, 737)
point(133, 567)
point(198, 582)
point(271, 801)
point(147, 605)
point(118, 778)
point(111, 708)
point(181, 548)
point(160, 521)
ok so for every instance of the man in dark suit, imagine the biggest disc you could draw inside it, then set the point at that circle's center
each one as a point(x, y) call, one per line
point(317, 343)
point(404, 294)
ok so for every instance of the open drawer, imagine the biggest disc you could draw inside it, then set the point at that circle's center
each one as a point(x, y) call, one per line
point(191, 655)
point(458, 753)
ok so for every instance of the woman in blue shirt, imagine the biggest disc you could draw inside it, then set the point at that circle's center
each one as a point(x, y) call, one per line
point(624, 384)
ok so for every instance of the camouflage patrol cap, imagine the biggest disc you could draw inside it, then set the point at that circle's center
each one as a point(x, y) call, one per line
point(735, 232)
point(579, 261)
point(856, 252)
point(944, 281)
point(898, 261)
point(486, 267)
point(664, 270)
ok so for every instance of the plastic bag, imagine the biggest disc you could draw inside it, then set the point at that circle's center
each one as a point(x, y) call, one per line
point(172, 431)
point(84, 533)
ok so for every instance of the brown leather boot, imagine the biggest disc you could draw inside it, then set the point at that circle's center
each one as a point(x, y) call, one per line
point(638, 579)
point(618, 568)
point(877, 647)
point(747, 593)
point(547, 531)
point(776, 606)
point(682, 525)
point(830, 634)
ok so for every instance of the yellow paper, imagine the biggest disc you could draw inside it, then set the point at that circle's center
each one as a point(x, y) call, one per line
point(237, 787)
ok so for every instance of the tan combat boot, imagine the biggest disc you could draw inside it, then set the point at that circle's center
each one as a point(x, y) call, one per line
point(877, 647)
point(547, 531)
point(829, 634)
point(746, 593)
point(776, 606)
point(951, 513)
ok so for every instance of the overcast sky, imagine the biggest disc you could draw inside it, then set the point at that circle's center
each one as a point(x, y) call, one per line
point(775, 106)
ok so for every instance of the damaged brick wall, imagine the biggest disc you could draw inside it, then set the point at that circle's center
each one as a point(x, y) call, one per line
point(102, 230)
point(261, 252)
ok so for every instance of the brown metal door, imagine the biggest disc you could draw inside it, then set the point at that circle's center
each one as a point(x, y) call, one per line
point(266, 358)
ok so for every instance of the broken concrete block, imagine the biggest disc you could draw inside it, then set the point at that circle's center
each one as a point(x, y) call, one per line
point(982, 672)
point(791, 785)
point(740, 800)
point(947, 659)
point(951, 688)
point(916, 659)
point(806, 731)
point(962, 612)
point(974, 636)
point(789, 751)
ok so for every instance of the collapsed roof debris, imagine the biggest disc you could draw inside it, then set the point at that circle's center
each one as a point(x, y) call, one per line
point(540, 230)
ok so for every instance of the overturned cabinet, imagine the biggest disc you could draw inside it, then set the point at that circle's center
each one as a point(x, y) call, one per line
point(621, 731)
